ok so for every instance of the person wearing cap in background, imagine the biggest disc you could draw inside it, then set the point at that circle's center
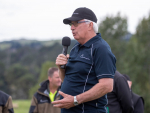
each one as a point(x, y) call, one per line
point(138, 101)
point(6, 105)
point(90, 68)
point(120, 99)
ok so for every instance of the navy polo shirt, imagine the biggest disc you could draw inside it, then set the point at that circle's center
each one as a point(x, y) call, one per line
point(86, 65)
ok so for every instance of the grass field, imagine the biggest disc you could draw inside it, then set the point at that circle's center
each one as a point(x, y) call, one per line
point(21, 106)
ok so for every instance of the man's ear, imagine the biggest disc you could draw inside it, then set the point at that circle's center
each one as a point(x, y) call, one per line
point(131, 83)
point(90, 26)
point(49, 78)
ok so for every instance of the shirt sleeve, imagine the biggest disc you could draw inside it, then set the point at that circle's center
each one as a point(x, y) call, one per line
point(104, 62)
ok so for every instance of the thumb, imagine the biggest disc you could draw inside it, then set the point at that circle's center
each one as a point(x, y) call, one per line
point(63, 94)
point(67, 56)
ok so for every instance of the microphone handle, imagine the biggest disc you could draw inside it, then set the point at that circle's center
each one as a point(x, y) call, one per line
point(65, 48)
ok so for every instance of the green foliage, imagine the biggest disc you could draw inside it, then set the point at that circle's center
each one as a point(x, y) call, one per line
point(19, 81)
point(112, 29)
point(139, 61)
point(21, 63)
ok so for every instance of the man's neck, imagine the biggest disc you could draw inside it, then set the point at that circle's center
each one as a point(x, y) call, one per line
point(52, 88)
point(88, 37)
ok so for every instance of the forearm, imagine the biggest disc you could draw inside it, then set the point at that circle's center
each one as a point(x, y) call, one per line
point(96, 92)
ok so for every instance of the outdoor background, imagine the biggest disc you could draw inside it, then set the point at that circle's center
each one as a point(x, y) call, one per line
point(24, 61)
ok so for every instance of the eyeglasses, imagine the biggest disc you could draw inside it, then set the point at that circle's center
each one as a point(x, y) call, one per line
point(75, 24)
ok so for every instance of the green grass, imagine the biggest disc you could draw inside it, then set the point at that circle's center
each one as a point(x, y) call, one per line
point(21, 106)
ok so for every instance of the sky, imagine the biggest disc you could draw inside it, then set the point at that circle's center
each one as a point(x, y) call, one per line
point(43, 19)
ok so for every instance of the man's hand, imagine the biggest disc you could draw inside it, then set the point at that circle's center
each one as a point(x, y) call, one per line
point(66, 102)
point(62, 59)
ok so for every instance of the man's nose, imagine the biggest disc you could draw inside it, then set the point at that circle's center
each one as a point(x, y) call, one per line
point(72, 27)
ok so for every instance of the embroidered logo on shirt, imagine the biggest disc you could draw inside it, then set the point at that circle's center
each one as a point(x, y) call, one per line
point(75, 13)
point(82, 56)
point(43, 100)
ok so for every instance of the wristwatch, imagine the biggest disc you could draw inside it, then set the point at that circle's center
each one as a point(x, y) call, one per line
point(75, 101)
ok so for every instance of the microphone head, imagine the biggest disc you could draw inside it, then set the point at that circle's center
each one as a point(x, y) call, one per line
point(66, 41)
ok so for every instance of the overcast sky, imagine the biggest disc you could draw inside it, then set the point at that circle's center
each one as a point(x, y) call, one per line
point(43, 19)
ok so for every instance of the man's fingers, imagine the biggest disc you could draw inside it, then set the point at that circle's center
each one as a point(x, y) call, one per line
point(61, 60)
point(57, 102)
point(60, 106)
point(67, 56)
point(63, 94)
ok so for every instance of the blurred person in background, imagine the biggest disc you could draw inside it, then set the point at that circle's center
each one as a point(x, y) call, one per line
point(6, 105)
point(138, 101)
point(120, 99)
point(47, 93)
point(90, 68)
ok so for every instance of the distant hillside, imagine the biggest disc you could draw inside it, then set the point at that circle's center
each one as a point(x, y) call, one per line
point(23, 42)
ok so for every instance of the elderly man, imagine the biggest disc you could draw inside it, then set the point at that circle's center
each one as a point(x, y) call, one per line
point(90, 68)
point(6, 105)
point(47, 93)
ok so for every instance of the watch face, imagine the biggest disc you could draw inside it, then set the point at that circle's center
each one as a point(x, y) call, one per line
point(75, 103)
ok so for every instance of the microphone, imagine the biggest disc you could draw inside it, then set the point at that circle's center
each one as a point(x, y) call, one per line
point(65, 42)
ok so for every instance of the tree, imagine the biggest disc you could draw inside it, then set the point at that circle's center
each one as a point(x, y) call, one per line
point(112, 29)
point(139, 60)
point(19, 81)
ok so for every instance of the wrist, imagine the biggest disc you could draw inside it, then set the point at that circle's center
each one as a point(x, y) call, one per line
point(78, 99)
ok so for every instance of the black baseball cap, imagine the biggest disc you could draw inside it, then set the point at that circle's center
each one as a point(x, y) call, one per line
point(81, 13)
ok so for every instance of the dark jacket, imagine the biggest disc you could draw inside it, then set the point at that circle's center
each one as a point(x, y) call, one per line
point(5, 103)
point(120, 99)
point(138, 102)
point(41, 103)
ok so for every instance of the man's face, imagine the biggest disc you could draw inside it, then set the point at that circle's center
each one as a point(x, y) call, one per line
point(55, 79)
point(80, 30)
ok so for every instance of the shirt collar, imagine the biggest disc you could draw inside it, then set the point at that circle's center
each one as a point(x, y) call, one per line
point(92, 40)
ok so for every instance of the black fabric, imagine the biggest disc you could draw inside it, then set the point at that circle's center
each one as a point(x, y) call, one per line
point(81, 13)
point(3, 98)
point(11, 110)
point(120, 99)
point(31, 109)
point(43, 86)
point(127, 77)
point(138, 103)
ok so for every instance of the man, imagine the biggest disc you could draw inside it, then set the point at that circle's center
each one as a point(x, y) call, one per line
point(6, 105)
point(47, 93)
point(90, 69)
point(120, 99)
point(138, 101)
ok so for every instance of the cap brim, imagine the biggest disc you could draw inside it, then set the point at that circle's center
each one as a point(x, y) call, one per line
point(68, 20)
